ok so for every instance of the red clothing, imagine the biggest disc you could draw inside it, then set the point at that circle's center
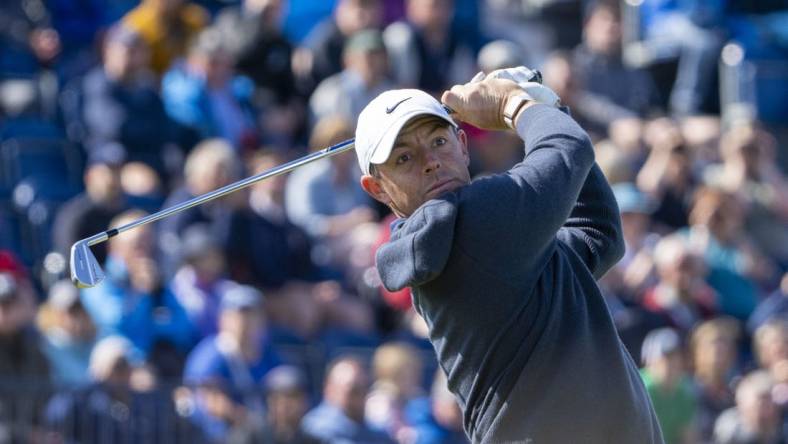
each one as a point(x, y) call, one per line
point(683, 316)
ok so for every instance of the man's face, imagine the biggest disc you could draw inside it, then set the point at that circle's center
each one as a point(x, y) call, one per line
point(603, 31)
point(429, 158)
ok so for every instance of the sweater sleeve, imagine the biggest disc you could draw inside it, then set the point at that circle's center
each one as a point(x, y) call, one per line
point(509, 222)
point(593, 229)
point(558, 157)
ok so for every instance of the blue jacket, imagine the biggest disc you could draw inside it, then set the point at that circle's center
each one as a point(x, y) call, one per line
point(330, 425)
point(117, 308)
point(503, 271)
point(187, 100)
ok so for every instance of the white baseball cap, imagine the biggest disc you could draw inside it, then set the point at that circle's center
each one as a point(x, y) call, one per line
point(382, 119)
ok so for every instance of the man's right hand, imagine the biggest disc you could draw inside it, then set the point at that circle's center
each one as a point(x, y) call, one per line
point(481, 103)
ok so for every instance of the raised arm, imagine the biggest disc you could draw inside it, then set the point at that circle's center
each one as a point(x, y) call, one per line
point(593, 229)
point(534, 198)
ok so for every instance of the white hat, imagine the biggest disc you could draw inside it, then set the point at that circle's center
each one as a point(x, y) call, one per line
point(382, 119)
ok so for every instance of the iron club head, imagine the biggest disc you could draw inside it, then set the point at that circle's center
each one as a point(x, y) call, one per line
point(85, 269)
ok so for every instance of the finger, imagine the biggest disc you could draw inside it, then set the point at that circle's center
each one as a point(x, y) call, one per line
point(452, 99)
point(478, 77)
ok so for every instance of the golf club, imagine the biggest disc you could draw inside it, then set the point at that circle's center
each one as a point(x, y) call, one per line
point(85, 269)
point(87, 272)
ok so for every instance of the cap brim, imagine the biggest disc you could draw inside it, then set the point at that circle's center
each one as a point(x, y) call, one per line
point(383, 150)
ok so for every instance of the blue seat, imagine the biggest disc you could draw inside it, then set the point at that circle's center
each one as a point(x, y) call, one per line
point(29, 126)
point(10, 233)
point(53, 164)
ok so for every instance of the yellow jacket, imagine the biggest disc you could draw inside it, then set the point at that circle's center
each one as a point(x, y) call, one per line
point(167, 40)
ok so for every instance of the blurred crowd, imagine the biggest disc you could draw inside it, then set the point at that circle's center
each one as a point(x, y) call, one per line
point(259, 317)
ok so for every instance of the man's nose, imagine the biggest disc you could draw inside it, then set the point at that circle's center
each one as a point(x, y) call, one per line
point(432, 163)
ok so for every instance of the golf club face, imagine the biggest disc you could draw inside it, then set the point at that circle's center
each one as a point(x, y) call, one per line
point(85, 269)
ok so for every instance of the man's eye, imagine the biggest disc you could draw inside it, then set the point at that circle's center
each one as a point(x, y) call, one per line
point(440, 141)
point(403, 158)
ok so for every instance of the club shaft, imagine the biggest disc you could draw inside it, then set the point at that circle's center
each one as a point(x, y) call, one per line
point(227, 189)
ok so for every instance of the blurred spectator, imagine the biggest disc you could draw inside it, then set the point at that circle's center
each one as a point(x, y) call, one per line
point(681, 295)
point(397, 370)
point(27, 39)
point(364, 77)
point(204, 94)
point(286, 400)
point(199, 282)
point(25, 291)
point(23, 365)
point(425, 52)
point(68, 335)
point(716, 221)
point(110, 410)
point(118, 102)
point(773, 307)
point(750, 171)
point(714, 346)
point(253, 36)
point(265, 227)
point(340, 416)
point(599, 70)
point(268, 250)
point(596, 112)
point(599, 66)
point(500, 54)
point(324, 198)
point(167, 26)
point(212, 164)
point(770, 344)
point(321, 53)
point(133, 300)
point(755, 418)
point(143, 186)
point(226, 369)
point(91, 211)
point(635, 271)
point(437, 419)
point(77, 23)
point(667, 175)
point(694, 32)
point(668, 386)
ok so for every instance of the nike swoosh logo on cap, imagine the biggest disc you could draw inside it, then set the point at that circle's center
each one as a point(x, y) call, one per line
point(391, 109)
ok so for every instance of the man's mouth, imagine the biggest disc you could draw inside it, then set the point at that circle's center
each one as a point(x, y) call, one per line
point(441, 187)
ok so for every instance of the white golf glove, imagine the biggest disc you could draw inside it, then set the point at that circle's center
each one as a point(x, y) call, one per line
point(525, 79)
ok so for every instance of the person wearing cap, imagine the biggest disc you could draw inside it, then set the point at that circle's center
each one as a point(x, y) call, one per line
point(634, 273)
point(669, 386)
point(233, 361)
point(503, 269)
point(286, 401)
point(365, 75)
point(68, 335)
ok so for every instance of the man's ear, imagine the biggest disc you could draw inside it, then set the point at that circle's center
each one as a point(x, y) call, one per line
point(463, 139)
point(372, 186)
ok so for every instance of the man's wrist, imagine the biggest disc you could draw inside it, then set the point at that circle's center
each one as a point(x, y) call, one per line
point(514, 105)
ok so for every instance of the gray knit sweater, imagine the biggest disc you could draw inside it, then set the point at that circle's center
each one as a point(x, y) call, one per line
point(503, 271)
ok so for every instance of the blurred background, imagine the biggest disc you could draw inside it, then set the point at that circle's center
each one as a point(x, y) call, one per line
point(260, 317)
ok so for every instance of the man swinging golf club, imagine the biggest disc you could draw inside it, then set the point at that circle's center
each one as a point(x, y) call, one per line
point(503, 268)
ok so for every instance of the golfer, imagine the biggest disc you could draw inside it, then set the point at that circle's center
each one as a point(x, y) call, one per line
point(503, 268)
